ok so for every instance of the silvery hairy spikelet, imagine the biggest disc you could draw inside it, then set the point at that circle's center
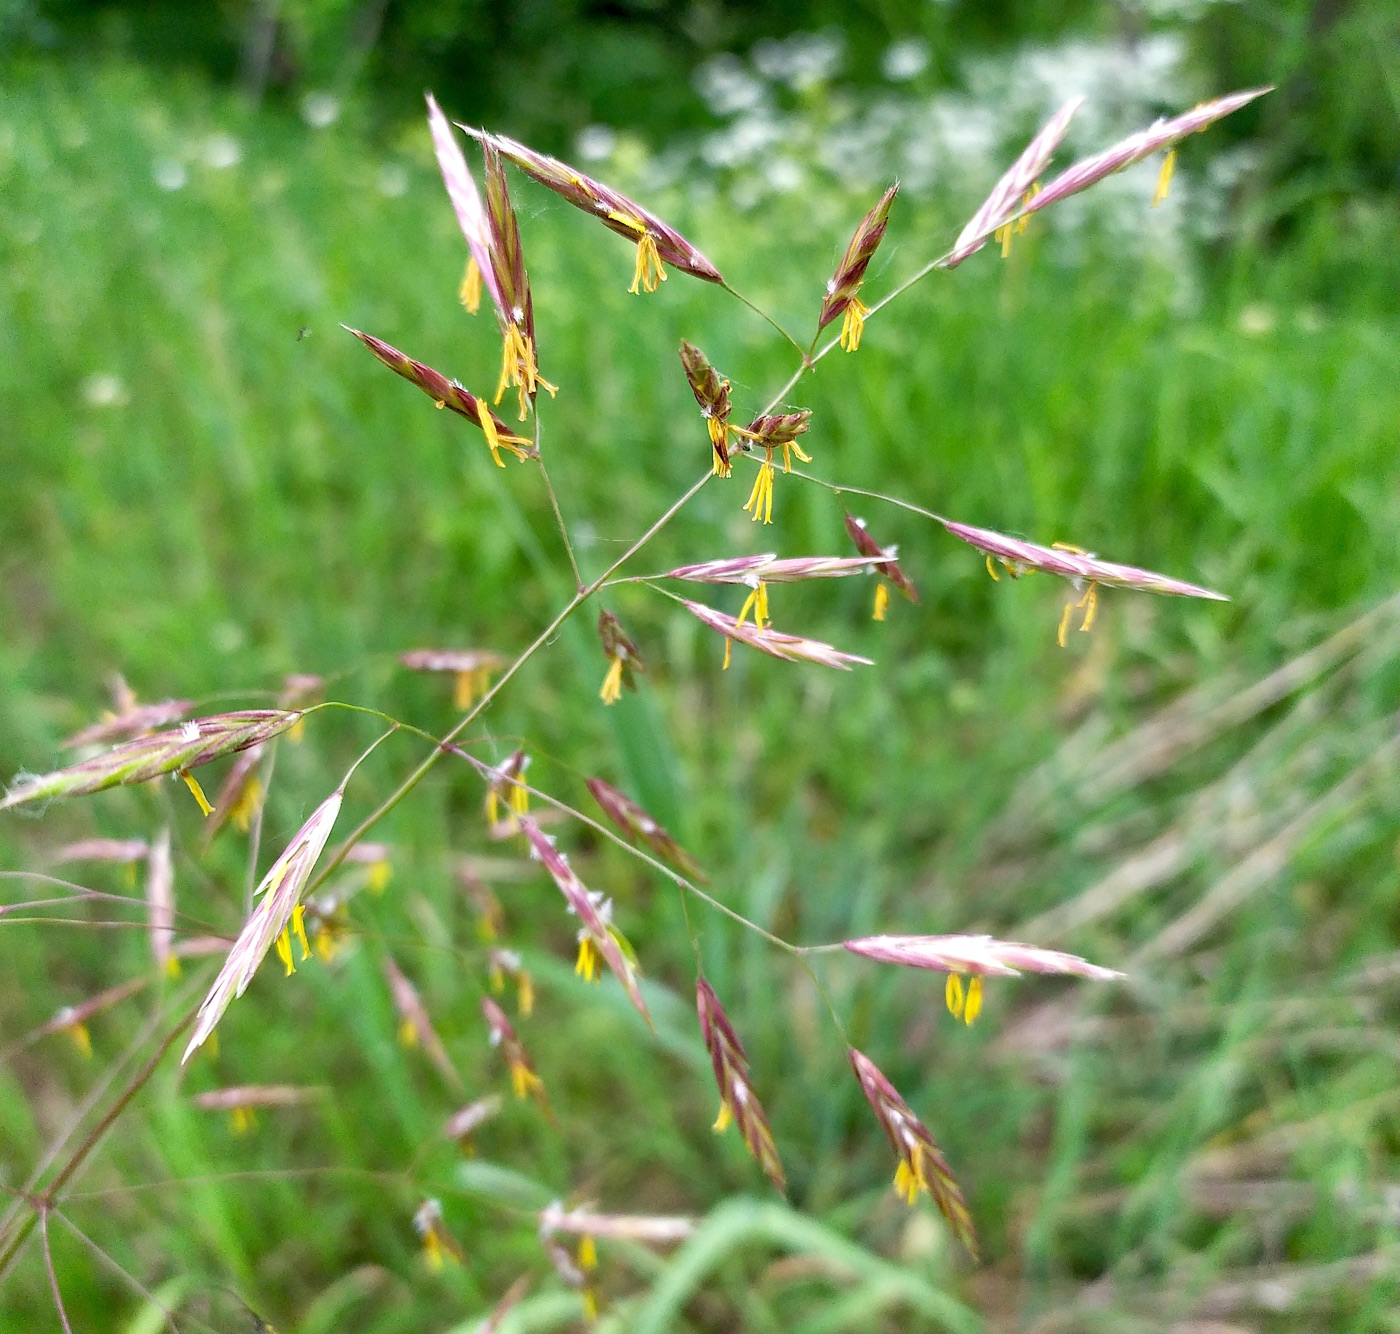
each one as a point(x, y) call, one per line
point(192, 744)
point(278, 895)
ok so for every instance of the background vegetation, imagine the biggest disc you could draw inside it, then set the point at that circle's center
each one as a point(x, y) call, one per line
point(207, 484)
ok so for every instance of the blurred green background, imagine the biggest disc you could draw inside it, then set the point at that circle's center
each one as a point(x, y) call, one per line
point(207, 484)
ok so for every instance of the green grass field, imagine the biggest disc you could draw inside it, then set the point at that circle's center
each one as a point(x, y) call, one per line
point(207, 484)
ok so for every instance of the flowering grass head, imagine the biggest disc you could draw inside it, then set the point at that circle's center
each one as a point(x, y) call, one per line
point(771, 432)
point(922, 1166)
point(738, 1103)
point(450, 395)
point(974, 956)
point(276, 917)
point(1085, 571)
point(192, 744)
point(415, 1027)
point(776, 644)
point(523, 1079)
point(712, 394)
point(842, 289)
point(132, 721)
point(598, 937)
point(471, 670)
point(463, 1124)
point(635, 823)
point(624, 658)
point(888, 567)
point(657, 243)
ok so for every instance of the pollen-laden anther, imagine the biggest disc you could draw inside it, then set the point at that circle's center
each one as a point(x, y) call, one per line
point(519, 371)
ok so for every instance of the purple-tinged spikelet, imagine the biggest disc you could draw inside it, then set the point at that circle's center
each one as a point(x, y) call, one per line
point(523, 1079)
point(160, 903)
point(243, 1102)
point(737, 1101)
point(415, 1027)
point(598, 937)
point(635, 823)
point(1086, 172)
point(980, 955)
point(278, 913)
point(130, 722)
point(888, 568)
point(471, 669)
point(451, 395)
point(439, 1245)
point(195, 743)
point(712, 394)
point(769, 569)
point(239, 797)
point(123, 851)
point(790, 648)
point(842, 291)
point(655, 240)
point(471, 213)
point(1082, 568)
point(466, 1121)
point(1014, 188)
point(922, 1165)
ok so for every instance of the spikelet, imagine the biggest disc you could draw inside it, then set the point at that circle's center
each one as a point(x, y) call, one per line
point(635, 823)
point(278, 909)
point(415, 1027)
point(737, 1099)
point(656, 242)
point(842, 290)
point(712, 394)
point(594, 912)
point(789, 648)
point(451, 395)
point(922, 1165)
point(194, 743)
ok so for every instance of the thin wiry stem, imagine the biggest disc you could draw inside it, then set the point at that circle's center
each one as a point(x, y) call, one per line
point(430, 760)
point(684, 882)
point(48, 1264)
point(107, 1259)
point(765, 316)
point(554, 503)
point(90, 1141)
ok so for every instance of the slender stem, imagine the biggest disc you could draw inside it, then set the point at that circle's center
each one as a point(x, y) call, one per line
point(90, 1142)
point(130, 1278)
point(554, 504)
point(765, 316)
point(48, 1264)
point(684, 882)
point(430, 760)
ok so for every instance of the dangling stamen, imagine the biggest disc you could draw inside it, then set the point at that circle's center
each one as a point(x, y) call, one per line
point(612, 682)
point(192, 783)
point(650, 273)
point(1164, 178)
point(761, 497)
point(853, 324)
point(470, 291)
point(882, 600)
point(953, 996)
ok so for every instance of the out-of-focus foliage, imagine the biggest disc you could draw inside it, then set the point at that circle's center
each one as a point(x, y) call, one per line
point(545, 69)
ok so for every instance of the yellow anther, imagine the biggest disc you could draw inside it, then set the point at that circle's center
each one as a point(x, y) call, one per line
point(1164, 178)
point(882, 600)
point(192, 783)
point(725, 1118)
point(853, 324)
point(612, 682)
point(953, 996)
point(650, 272)
point(470, 291)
